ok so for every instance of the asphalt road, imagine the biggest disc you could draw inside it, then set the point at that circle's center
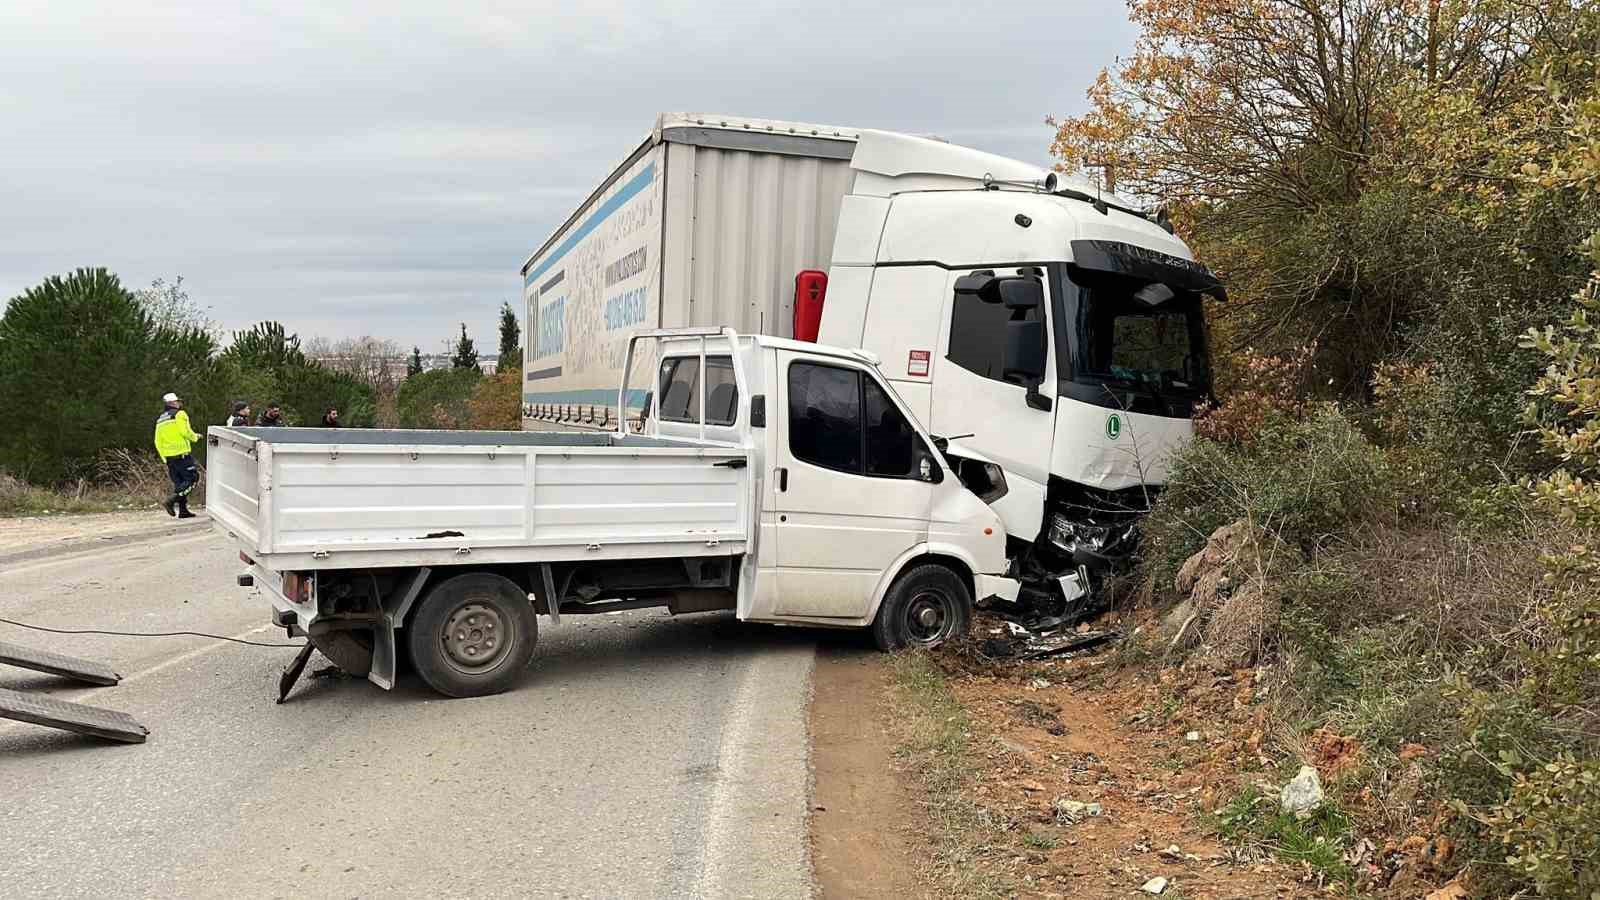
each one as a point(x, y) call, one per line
point(640, 756)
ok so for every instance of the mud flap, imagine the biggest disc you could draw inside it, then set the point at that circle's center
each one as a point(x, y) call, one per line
point(385, 655)
point(292, 674)
point(75, 717)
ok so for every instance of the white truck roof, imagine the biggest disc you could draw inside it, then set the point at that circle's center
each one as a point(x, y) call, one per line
point(887, 162)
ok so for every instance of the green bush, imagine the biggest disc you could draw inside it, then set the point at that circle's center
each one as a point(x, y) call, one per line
point(1550, 825)
point(437, 399)
point(1304, 480)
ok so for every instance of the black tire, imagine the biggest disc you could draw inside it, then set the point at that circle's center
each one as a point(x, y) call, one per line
point(925, 607)
point(473, 635)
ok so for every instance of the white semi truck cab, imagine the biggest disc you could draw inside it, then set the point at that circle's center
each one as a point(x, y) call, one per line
point(1055, 334)
point(1051, 335)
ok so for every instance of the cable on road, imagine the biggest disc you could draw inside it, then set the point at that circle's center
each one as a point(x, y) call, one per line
point(152, 634)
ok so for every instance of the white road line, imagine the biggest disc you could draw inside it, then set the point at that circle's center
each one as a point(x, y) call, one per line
point(47, 562)
point(739, 843)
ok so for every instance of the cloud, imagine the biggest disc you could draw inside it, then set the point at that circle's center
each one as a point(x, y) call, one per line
point(388, 170)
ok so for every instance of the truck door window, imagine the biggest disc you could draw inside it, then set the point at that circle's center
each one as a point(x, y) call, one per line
point(825, 416)
point(680, 390)
point(840, 420)
point(978, 334)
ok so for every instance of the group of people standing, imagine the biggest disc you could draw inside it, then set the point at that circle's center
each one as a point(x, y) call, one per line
point(272, 416)
point(175, 440)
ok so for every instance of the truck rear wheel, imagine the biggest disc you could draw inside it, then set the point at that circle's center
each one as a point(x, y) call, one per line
point(925, 607)
point(473, 635)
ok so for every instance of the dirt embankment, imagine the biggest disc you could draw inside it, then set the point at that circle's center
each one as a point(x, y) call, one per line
point(1039, 780)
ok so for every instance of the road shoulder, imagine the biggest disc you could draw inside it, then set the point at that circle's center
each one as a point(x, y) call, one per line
point(36, 537)
point(861, 810)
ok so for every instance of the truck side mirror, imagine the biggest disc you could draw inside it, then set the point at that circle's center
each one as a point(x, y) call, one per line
point(928, 469)
point(1025, 360)
point(1025, 352)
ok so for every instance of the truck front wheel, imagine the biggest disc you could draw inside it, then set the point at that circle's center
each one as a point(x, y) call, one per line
point(926, 606)
point(473, 635)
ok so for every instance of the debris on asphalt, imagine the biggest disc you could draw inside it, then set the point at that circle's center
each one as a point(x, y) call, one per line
point(1303, 795)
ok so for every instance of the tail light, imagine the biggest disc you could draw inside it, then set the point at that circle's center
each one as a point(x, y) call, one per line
point(246, 559)
point(810, 291)
point(297, 587)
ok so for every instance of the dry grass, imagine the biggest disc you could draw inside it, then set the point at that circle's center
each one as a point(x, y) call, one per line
point(122, 480)
point(934, 738)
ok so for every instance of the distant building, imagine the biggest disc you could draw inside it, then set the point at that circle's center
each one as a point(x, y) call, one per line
point(398, 367)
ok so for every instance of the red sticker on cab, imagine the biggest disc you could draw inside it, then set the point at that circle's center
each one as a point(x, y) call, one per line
point(917, 365)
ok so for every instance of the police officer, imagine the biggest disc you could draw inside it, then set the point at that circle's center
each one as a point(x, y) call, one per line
point(175, 441)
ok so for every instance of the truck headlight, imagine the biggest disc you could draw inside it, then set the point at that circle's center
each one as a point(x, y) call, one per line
point(1070, 536)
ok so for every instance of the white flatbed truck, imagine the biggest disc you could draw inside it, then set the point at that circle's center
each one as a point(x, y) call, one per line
point(799, 490)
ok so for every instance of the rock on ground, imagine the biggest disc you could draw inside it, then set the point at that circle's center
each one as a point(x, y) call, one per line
point(1303, 794)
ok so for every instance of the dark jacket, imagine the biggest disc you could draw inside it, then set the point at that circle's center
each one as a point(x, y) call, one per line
point(267, 420)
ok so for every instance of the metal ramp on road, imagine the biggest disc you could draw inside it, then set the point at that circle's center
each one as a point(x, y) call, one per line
point(77, 717)
point(52, 713)
point(85, 670)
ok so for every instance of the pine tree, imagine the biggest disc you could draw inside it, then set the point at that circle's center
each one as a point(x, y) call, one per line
point(510, 338)
point(466, 355)
point(414, 365)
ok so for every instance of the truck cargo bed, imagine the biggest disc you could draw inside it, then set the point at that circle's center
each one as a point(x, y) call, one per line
point(311, 498)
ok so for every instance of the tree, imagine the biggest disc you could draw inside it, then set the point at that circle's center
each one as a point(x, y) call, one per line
point(438, 398)
point(1351, 168)
point(269, 366)
point(466, 354)
point(414, 364)
point(496, 403)
point(510, 339)
point(83, 366)
point(170, 306)
point(371, 361)
point(265, 345)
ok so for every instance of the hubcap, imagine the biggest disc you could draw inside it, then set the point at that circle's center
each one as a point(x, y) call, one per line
point(475, 637)
point(928, 618)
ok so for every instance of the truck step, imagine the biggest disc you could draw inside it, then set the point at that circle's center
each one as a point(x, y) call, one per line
point(84, 670)
point(75, 717)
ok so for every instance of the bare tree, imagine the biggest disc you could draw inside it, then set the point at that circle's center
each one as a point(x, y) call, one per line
point(172, 307)
point(376, 362)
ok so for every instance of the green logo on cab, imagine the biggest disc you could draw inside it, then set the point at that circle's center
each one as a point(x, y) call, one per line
point(1114, 426)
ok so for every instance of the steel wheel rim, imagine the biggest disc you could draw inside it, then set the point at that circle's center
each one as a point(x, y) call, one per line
point(476, 638)
point(929, 617)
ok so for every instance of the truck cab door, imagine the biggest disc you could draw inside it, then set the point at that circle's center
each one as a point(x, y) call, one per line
point(977, 390)
point(847, 487)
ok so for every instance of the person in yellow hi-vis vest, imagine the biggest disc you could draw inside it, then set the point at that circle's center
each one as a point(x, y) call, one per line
point(175, 442)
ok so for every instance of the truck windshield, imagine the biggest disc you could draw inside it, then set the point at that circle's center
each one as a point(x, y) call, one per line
point(1141, 335)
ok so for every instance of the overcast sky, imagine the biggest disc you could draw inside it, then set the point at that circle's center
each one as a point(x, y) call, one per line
point(385, 170)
